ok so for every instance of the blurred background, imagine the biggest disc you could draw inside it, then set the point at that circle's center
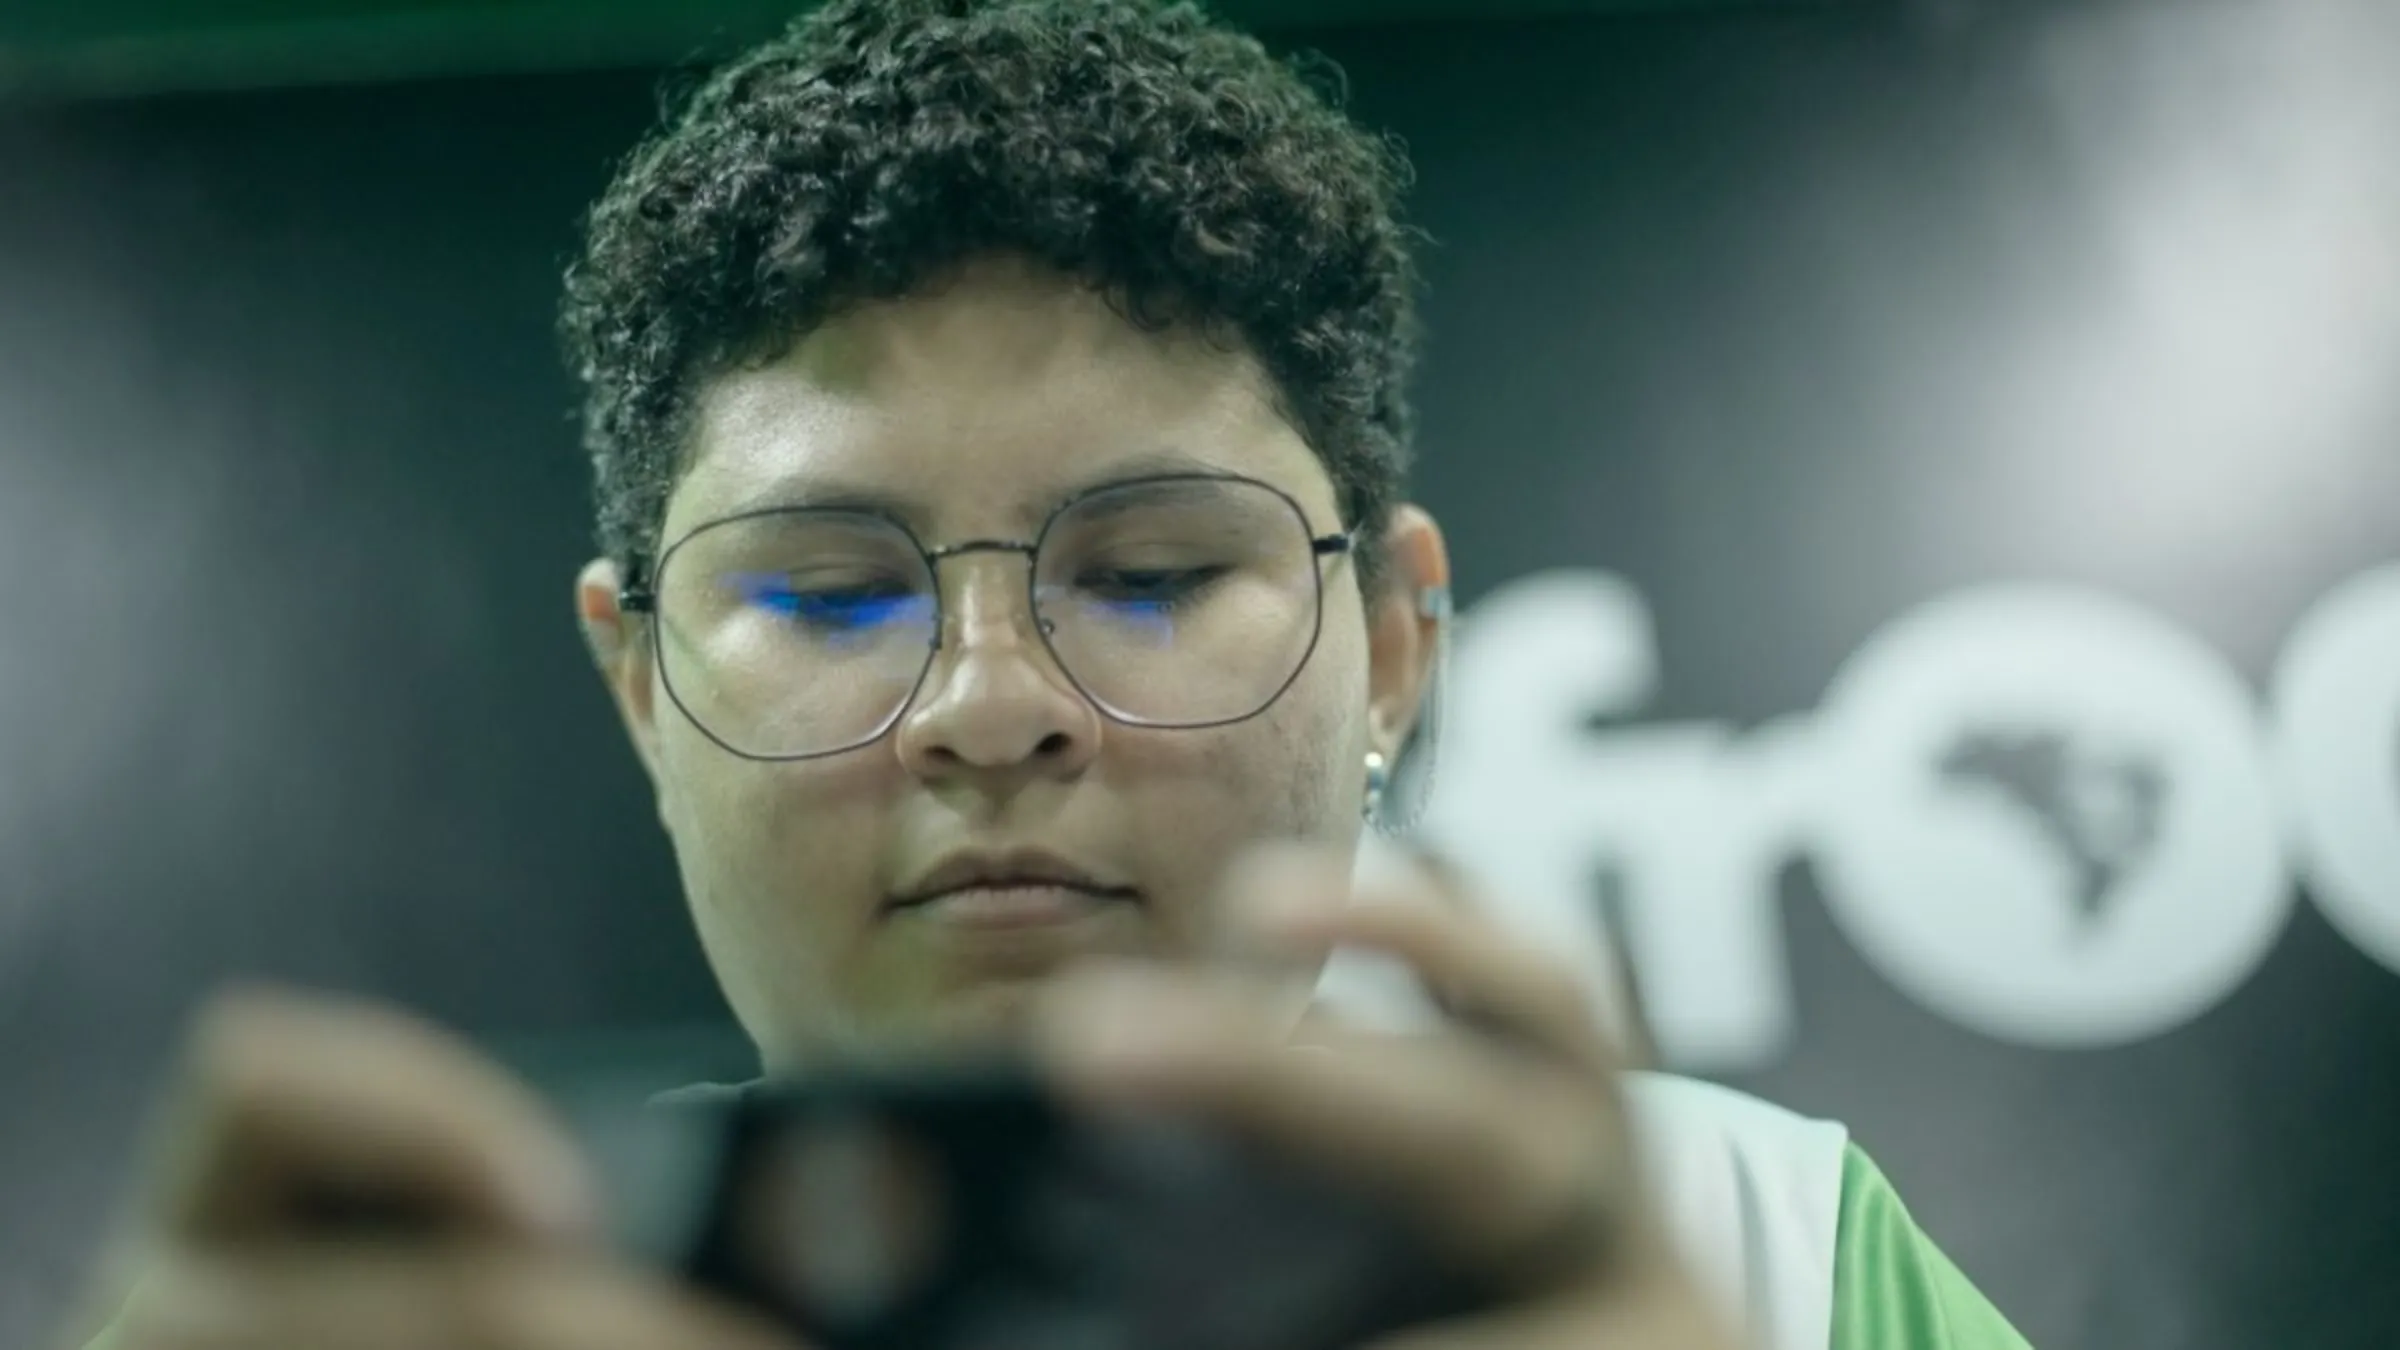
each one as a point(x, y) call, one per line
point(1926, 486)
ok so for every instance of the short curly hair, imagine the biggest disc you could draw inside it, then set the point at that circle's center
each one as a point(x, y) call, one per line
point(1170, 163)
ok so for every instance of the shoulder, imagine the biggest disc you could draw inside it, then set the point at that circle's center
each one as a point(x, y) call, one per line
point(1751, 1194)
point(1895, 1289)
point(1685, 1121)
point(1795, 1230)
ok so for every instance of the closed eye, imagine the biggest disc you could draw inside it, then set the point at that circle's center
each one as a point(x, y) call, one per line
point(1147, 588)
point(835, 609)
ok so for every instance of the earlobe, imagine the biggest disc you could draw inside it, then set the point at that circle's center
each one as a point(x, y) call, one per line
point(1409, 622)
point(620, 653)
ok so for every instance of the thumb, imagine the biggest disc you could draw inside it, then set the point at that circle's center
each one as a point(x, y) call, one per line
point(1662, 1311)
point(302, 1112)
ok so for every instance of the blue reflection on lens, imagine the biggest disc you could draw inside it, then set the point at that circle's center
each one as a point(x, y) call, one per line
point(1151, 621)
point(844, 613)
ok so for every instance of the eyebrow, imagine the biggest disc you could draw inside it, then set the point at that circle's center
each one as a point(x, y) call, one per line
point(1160, 462)
point(803, 492)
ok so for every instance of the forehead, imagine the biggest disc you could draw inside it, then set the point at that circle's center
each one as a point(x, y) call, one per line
point(976, 406)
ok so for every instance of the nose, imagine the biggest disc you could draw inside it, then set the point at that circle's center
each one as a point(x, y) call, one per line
point(995, 702)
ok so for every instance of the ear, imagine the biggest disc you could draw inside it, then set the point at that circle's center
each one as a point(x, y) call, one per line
point(1404, 625)
point(621, 649)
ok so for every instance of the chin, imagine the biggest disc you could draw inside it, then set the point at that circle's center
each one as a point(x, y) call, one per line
point(981, 1021)
point(932, 991)
point(987, 1018)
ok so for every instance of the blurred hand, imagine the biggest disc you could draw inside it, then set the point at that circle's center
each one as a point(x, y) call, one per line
point(339, 1178)
point(1504, 1136)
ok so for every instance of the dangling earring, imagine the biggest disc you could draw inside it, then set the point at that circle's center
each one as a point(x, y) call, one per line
point(1379, 777)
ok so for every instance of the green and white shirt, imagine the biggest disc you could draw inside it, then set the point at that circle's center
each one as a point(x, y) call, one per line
point(1795, 1231)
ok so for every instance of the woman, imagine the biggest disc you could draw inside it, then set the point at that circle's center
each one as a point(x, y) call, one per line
point(999, 417)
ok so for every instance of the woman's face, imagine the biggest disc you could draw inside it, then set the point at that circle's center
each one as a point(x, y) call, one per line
point(972, 410)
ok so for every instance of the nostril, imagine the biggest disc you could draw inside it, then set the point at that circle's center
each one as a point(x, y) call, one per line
point(1056, 743)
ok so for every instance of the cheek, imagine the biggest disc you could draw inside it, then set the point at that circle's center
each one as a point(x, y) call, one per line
point(797, 831)
point(779, 861)
point(1294, 771)
point(1324, 726)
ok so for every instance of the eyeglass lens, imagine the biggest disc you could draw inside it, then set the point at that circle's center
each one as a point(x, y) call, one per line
point(1174, 602)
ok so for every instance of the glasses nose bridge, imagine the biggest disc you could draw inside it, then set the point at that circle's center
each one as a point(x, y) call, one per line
point(965, 609)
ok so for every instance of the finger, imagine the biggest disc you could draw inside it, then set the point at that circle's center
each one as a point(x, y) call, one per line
point(459, 1298)
point(1488, 980)
point(1268, 891)
point(305, 1109)
point(1656, 1310)
point(1510, 1161)
point(1297, 904)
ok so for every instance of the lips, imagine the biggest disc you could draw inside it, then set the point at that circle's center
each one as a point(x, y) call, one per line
point(1017, 881)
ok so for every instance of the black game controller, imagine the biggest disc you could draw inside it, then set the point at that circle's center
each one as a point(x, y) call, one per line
point(970, 1211)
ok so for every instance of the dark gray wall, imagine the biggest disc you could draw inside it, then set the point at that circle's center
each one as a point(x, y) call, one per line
point(1779, 317)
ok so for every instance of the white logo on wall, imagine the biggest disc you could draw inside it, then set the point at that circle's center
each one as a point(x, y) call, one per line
point(2041, 811)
